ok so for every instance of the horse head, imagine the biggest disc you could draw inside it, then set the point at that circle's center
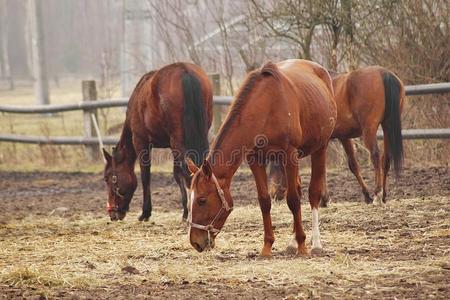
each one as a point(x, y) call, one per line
point(121, 183)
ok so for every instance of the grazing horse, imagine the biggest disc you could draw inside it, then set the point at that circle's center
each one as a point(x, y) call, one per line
point(169, 108)
point(285, 110)
point(365, 98)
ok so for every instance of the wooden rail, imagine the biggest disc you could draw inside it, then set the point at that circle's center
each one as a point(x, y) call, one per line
point(411, 90)
point(409, 134)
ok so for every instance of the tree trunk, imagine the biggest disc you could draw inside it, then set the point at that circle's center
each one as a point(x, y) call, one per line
point(2, 36)
point(39, 59)
point(348, 29)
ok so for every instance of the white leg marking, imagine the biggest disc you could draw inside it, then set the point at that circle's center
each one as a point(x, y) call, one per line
point(315, 229)
point(378, 197)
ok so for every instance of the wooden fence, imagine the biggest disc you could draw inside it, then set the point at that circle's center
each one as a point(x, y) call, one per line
point(90, 105)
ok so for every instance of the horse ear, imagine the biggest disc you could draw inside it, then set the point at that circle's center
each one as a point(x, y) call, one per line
point(207, 169)
point(106, 155)
point(191, 166)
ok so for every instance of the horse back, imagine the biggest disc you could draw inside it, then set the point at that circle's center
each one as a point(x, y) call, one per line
point(312, 102)
point(160, 106)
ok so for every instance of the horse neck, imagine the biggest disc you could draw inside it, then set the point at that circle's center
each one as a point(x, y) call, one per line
point(239, 138)
point(125, 144)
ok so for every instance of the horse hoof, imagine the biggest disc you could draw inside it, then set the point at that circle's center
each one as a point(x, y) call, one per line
point(302, 253)
point(291, 250)
point(317, 252)
point(378, 198)
point(367, 198)
point(325, 200)
point(143, 218)
point(264, 256)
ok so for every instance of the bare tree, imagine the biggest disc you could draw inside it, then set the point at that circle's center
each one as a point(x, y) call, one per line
point(294, 21)
point(2, 40)
point(253, 41)
point(176, 23)
point(216, 9)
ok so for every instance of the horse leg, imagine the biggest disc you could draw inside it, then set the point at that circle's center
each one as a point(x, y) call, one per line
point(316, 192)
point(145, 163)
point(179, 173)
point(260, 175)
point(293, 200)
point(370, 141)
point(354, 167)
point(325, 199)
point(386, 159)
point(179, 178)
point(277, 180)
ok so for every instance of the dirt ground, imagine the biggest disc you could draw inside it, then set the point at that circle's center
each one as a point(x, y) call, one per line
point(57, 242)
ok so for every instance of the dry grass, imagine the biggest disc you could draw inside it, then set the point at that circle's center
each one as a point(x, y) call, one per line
point(401, 249)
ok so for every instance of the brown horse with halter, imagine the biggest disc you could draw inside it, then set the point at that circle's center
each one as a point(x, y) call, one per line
point(365, 98)
point(286, 111)
point(169, 108)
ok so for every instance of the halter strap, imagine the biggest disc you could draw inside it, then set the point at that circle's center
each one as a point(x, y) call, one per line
point(225, 206)
point(117, 193)
point(220, 192)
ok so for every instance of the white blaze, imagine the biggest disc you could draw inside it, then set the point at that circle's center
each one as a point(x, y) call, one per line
point(190, 202)
point(315, 229)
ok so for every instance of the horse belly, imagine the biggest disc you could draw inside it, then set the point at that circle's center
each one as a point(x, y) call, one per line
point(317, 133)
point(157, 133)
point(346, 127)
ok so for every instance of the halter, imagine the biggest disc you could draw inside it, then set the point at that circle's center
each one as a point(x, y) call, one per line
point(225, 207)
point(117, 193)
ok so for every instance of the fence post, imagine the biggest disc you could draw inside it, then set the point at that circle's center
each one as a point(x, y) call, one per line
point(89, 94)
point(217, 109)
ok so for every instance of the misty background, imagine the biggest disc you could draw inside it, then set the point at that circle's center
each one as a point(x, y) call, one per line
point(59, 43)
point(116, 41)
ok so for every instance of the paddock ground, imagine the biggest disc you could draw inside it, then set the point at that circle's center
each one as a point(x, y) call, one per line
point(57, 242)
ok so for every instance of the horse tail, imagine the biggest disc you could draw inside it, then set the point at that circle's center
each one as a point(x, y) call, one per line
point(391, 123)
point(194, 119)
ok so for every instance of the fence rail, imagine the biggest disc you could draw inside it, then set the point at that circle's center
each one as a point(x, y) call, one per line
point(88, 106)
point(410, 134)
point(411, 90)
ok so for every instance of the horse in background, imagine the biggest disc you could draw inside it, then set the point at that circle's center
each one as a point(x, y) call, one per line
point(284, 110)
point(365, 98)
point(169, 108)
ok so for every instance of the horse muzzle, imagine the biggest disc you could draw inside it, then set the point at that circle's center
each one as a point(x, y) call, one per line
point(116, 215)
point(203, 241)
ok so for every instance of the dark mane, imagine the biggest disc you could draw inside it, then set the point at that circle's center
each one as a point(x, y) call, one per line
point(241, 98)
point(125, 140)
point(270, 69)
point(236, 107)
point(138, 87)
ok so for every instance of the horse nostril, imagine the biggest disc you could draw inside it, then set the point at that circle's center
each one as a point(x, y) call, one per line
point(113, 216)
point(120, 215)
point(198, 247)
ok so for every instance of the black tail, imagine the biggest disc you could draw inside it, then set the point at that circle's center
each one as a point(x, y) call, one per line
point(392, 123)
point(194, 119)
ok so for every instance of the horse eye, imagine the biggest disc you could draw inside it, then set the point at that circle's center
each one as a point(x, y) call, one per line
point(201, 201)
